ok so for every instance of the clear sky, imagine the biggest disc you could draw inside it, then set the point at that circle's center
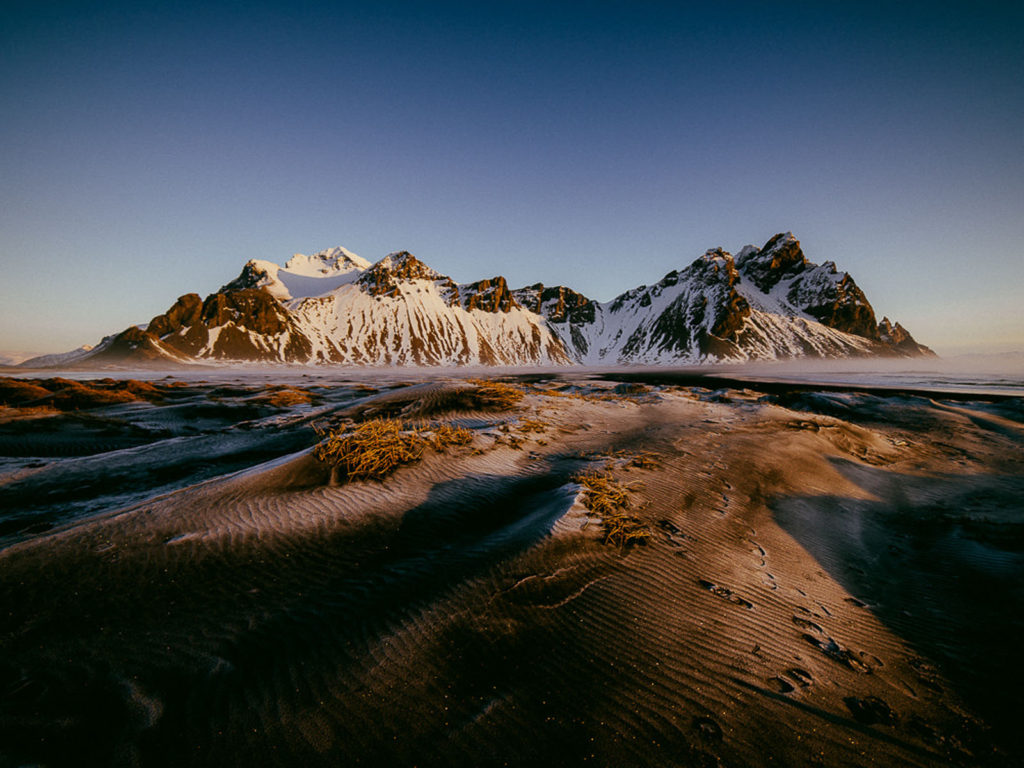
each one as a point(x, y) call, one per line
point(149, 150)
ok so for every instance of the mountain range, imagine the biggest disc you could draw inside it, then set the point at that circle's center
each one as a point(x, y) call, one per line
point(335, 307)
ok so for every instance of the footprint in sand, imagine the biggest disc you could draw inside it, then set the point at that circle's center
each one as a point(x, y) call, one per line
point(788, 681)
point(836, 652)
point(673, 532)
point(725, 594)
point(816, 636)
point(870, 710)
point(801, 677)
point(808, 625)
point(760, 553)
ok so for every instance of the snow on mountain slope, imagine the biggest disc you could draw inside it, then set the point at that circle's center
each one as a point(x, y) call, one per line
point(401, 312)
point(334, 307)
point(302, 275)
point(336, 260)
point(63, 358)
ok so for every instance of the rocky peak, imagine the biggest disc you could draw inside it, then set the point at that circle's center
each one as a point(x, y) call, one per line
point(758, 304)
point(186, 312)
point(256, 273)
point(488, 295)
point(891, 333)
point(382, 278)
point(716, 265)
point(780, 258)
point(557, 303)
point(899, 338)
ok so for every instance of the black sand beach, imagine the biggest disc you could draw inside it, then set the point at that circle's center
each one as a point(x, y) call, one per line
point(824, 576)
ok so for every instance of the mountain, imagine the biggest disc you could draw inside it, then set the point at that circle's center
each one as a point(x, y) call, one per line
point(765, 304)
point(336, 308)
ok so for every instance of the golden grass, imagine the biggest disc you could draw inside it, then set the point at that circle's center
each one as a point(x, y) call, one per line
point(590, 397)
point(532, 425)
point(631, 460)
point(494, 395)
point(373, 450)
point(376, 448)
point(443, 435)
point(644, 461)
point(607, 497)
point(282, 397)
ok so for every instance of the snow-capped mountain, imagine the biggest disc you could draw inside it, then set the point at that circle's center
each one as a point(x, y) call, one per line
point(335, 307)
point(765, 304)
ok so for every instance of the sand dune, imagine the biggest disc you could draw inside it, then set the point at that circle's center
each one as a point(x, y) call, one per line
point(831, 578)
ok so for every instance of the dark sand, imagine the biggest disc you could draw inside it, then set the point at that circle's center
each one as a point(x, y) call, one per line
point(833, 578)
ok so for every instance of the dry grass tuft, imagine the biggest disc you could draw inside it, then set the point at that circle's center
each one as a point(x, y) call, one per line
point(373, 450)
point(443, 435)
point(625, 529)
point(493, 395)
point(532, 425)
point(282, 397)
point(644, 461)
point(607, 497)
point(376, 448)
point(604, 494)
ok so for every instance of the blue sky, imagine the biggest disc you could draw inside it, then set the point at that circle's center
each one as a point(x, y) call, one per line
point(149, 150)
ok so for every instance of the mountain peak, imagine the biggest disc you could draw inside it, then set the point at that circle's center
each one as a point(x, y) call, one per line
point(382, 278)
point(718, 254)
point(781, 257)
point(404, 266)
point(332, 261)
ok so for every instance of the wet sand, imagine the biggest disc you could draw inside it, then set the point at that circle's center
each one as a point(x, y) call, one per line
point(832, 577)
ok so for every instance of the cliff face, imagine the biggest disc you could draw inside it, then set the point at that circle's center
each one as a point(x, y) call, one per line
point(334, 307)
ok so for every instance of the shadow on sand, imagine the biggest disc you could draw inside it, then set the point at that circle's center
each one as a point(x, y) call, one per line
point(180, 654)
point(940, 561)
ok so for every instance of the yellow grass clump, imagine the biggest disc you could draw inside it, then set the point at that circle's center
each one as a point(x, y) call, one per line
point(532, 425)
point(644, 461)
point(607, 497)
point(372, 450)
point(494, 395)
point(282, 397)
point(444, 435)
point(376, 448)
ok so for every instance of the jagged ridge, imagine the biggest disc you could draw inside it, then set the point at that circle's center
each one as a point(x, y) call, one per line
point(335, 307)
